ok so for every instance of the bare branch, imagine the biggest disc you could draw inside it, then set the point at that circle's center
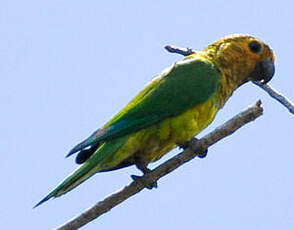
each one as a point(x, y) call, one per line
point(179, 50)
point(277, 95)
point(195, 147)
point(266, 87)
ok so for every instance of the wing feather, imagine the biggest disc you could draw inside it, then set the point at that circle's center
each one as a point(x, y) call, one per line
point(183, 85)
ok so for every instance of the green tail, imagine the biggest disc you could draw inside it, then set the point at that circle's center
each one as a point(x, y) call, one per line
point(93, 165)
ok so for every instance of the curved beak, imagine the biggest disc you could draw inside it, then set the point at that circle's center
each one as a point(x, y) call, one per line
point(263, 71)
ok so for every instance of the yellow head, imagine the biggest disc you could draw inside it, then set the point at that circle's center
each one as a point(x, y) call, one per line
point(241, 58)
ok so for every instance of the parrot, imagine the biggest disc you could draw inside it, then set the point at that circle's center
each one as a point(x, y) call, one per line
point(171, 109)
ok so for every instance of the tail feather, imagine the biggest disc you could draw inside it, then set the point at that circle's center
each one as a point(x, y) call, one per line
point(94, 164)
point(74, 179)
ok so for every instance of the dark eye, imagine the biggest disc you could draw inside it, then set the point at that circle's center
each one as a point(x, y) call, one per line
point(255, 47)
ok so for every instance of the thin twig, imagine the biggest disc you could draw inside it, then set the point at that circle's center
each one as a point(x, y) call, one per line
point(179, 50)
point(277, 95)
point(269, 89)
point(195, 147)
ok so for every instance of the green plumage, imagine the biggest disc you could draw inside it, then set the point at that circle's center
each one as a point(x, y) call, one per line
point(171, 109)
point(184, 85)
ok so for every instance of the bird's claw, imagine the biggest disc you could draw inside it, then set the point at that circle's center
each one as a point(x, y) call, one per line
point(185, 145)
point(203, 154)
point(148, 184)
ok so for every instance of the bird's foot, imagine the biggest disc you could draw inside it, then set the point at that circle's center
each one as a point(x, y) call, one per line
point(185, 145)
point(203, 154)
point(148, 184)
point(145, 170)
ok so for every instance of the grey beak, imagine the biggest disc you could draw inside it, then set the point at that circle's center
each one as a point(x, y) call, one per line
point(263, 71)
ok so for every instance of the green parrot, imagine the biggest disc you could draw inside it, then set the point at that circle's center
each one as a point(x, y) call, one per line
point(170, 110)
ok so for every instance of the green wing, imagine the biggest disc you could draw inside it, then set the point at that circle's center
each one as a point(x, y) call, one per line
point(185, 84)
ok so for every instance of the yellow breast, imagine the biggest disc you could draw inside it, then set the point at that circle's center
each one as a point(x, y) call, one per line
point(183, 127)
point(153, 142)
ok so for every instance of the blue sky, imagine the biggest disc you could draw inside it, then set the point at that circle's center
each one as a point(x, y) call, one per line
point(67, 66)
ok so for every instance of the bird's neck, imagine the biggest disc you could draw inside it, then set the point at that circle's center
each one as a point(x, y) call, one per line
point(232, 67)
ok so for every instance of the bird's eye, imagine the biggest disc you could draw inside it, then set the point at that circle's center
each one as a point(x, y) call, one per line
point(255, 47)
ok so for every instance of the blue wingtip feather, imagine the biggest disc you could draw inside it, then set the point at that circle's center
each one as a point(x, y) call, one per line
point(84, 144)
point(79, 147)
point(71, 152)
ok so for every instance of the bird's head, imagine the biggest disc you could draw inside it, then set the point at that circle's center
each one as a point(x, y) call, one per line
point(243, 58)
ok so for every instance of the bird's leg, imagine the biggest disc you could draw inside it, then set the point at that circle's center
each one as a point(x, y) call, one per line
point(145, 170)
point(186, 144)
point(142, 167)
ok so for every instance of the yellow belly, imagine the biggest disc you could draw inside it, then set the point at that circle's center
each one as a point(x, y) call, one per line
point(172, 131)
point(153, 142)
